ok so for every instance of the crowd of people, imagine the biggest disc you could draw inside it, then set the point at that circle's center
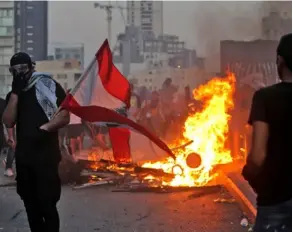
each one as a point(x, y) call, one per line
point(160, 111)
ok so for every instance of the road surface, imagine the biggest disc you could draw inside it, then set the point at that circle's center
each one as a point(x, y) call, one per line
point(100, 209)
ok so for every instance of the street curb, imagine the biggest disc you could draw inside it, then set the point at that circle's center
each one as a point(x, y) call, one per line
point(247, 203)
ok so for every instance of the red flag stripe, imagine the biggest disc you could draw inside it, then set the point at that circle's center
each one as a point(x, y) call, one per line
point(120, 138)
point(113, 81)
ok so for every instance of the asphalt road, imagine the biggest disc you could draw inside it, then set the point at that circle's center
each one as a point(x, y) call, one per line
point(100, 209)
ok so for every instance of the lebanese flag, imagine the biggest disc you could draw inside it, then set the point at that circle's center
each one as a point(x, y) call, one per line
point(98, 97)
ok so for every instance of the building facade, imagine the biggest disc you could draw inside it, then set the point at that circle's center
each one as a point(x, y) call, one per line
point(192, 77)
point(65, 72)
point(151, 53)
point(67, 51)
point(148, 15)
point(31, 28)
point(7, 48)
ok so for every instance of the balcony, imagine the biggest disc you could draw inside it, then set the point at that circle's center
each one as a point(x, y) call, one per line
point(6, 4)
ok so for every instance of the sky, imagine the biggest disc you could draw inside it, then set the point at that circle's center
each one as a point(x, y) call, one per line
point(200, 24)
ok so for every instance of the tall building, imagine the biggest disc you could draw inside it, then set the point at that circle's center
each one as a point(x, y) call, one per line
point(7, 48)
point(31, 28)
point(148, 15)
point(60, 51)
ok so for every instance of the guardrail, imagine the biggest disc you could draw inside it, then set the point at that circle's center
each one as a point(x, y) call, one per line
point(242, 192)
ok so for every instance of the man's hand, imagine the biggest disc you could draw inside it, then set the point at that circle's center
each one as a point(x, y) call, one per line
point(11, 143)
point(43, 131)
point(60, 120)
point(18, 84)
point(44, 127)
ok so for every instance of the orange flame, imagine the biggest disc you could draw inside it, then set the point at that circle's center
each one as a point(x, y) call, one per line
point(208, 129)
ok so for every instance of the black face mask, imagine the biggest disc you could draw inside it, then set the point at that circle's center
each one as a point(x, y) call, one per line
point(20, 70)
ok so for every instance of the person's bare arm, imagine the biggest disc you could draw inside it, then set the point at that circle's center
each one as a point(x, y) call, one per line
point(10, 132)
point(60, 120)
point(10, 112)
point(11, 140)
point(260, 131)
point(260, 134)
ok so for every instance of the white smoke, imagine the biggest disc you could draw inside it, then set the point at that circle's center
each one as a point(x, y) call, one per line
point(216, 21)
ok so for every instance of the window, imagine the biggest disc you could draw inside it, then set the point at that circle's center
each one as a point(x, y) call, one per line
point(7, 50)
point(18, 12)
point(3, 12)
point(61, 76)
point(29, 7)
point(67, 65)
point(2, 80)
point(76, 76)
point(29, 27)
point(10, 30)
point(58, 56)
point(77, 56)
point(3, 31)
point(18, 30)
point(29, 34)
point(10, 13)
point(7, 21)
point(6, 59)
point(30, 41)
point(30, 48)
point(2, 70)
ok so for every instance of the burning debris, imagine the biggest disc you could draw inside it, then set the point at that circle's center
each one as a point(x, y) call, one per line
point(196, 160)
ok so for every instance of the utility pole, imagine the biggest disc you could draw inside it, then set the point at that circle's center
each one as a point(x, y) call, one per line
point(108, 8)
point(109, 20)
point(127, 41)
point(126, 56)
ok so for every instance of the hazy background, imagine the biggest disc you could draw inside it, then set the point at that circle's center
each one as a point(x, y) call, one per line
point(200, 24)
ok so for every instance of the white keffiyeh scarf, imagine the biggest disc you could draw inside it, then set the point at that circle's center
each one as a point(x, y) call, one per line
point(45, 92)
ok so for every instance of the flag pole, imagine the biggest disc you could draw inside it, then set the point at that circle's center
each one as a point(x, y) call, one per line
point(78, 83)
point(80, 80)
point(83, 76)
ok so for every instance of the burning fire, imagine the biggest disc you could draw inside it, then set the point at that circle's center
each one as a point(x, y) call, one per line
point(208, 130)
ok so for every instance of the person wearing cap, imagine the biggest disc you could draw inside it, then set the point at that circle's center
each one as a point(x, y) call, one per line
point(33, 105)
point(269, 163)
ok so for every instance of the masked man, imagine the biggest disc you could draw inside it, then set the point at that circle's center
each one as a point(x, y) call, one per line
point(32, 106)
